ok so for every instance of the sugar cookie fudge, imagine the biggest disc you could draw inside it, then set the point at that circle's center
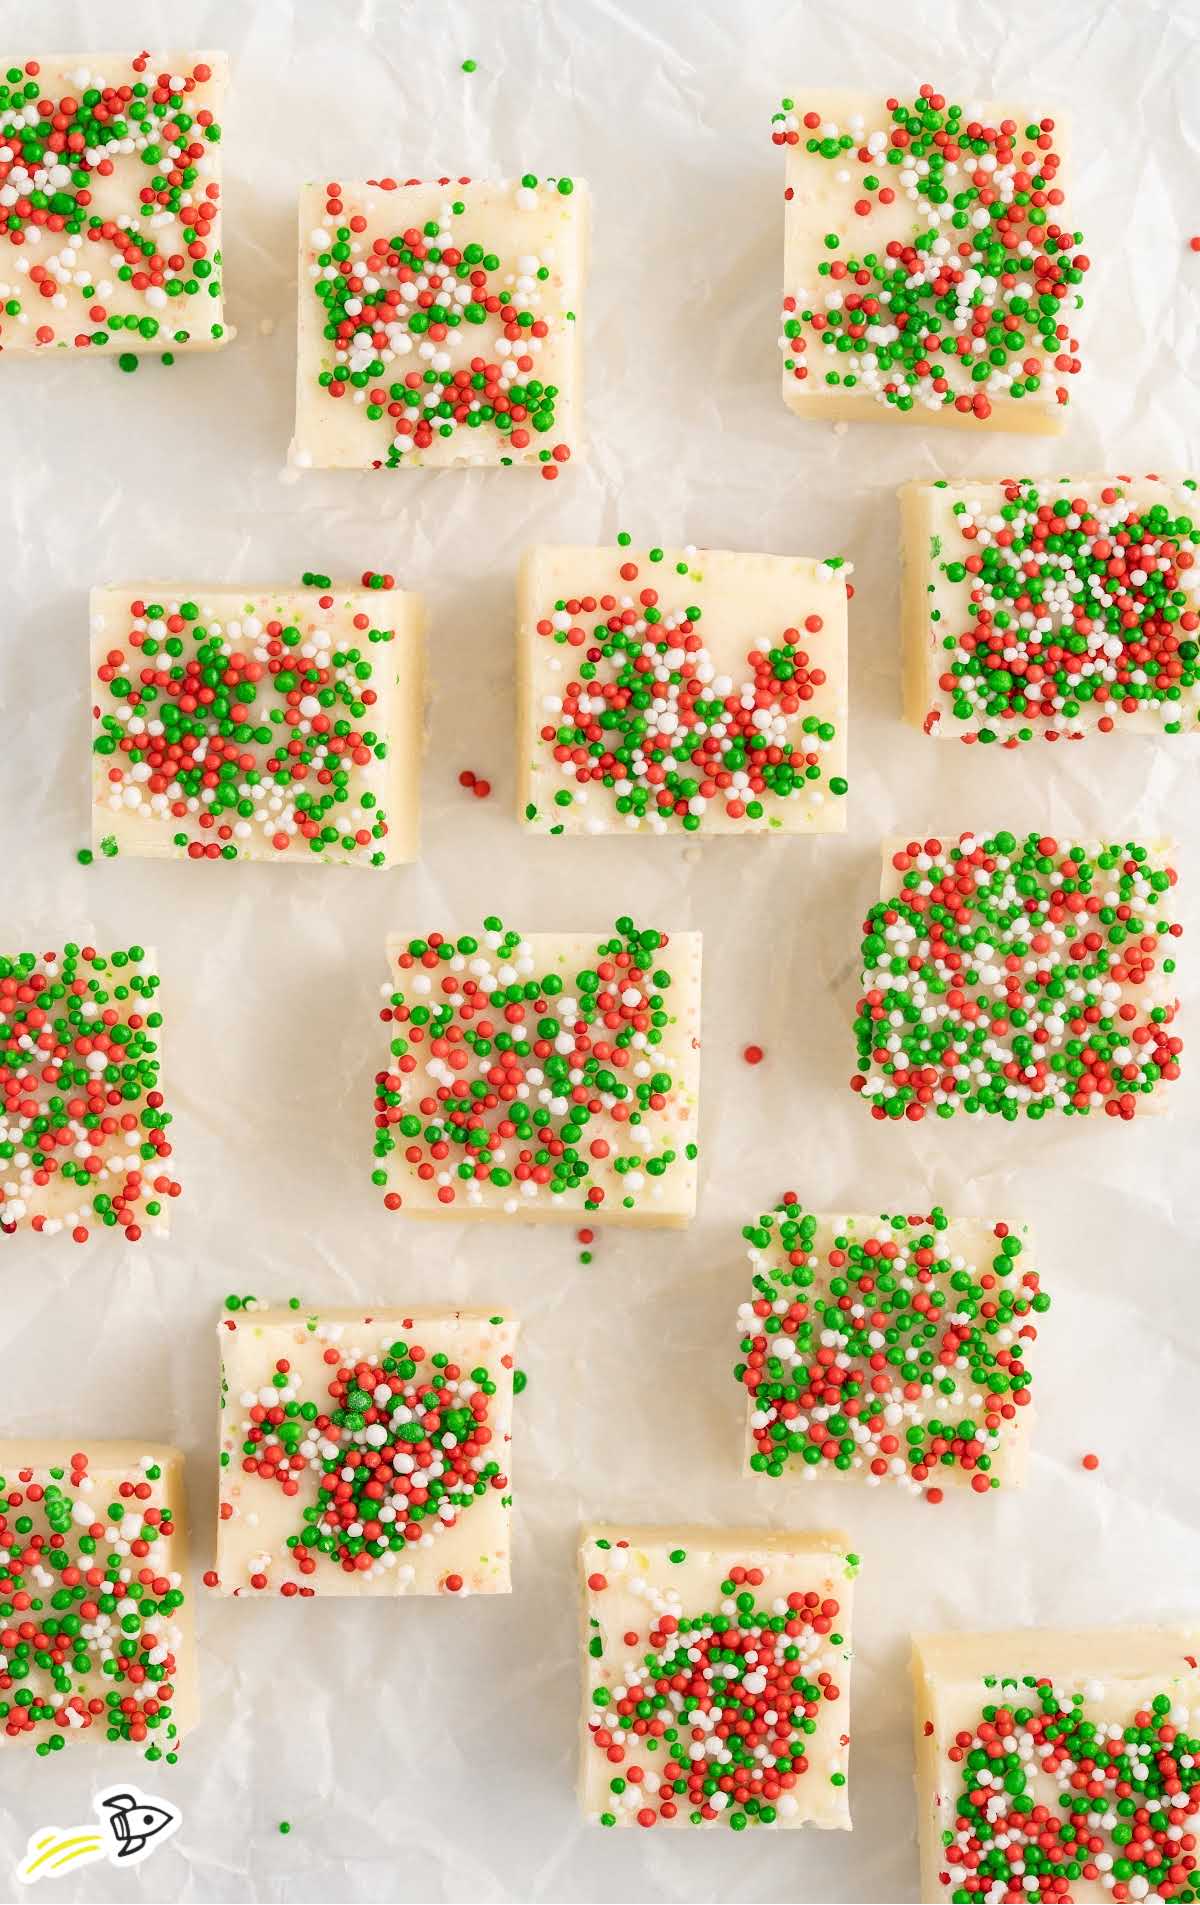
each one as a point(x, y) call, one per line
point(1057, 607)
point(110, 203)
point(888, 1349)
point(674, 690)
point(365, 1452)
point(84, 1133)
point(438, 323)
point(548, 1075)
point(1019, 976)
point(1058, 1765)
point(96, 1639)
point(716, 1677)
point(930, 268)
point(257, 722)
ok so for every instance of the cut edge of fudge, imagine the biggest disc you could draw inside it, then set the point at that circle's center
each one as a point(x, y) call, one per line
point(113, 1455)
point(406, 732)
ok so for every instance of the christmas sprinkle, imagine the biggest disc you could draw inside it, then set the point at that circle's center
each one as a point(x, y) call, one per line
point(890, 1349)
point(83, 1130)
point(234, 726)
point(90, 1637)
point(1049, 1793)
point(1072, 611)
point(699, 1714)
point(444, 325)
point(1018, 977)
point(110, 224)
point(977, 303)
point(522, 1078)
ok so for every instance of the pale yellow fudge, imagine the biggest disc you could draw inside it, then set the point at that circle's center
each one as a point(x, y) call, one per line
point(888, 1349)
point(257, 722)
point(1019, 977)
point(96, 1629)
point(1028, 1745)
point(1056, 607)
point(716, 1677)
point(439, 323)
point(680, 691)
point(365, 1452)
point(110, 202)
point(85, 1141)
point(931, 272)
point(542, 1076)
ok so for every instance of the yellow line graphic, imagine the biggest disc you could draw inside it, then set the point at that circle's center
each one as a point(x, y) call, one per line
point(54, 1850)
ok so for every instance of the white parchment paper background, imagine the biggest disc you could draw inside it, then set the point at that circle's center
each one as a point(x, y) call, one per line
point(426, 1751)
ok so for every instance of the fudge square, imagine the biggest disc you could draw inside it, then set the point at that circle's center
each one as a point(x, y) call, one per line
point(94, 1596)
point(84, 1132)
point(716, 1677)
point(110, 202)
point(257, 722)
point(548, 1075)
point(1054, 607)
point(1024, 1742)
point(930, 268)
point(1019, 977)
point(889, 1348)
point(365, 1452)
point(438, 323)
point(674, 690)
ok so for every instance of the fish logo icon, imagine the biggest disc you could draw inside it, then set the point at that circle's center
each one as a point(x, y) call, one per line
point(133, 1824)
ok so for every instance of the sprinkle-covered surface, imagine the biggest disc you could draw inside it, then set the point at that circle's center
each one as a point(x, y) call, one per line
point(1058, 1767)
point(931, 266)
point(85, 1143)
point(1052, 608)
point(110, 203)
point(1019, 977)
point(95, 1615)
point(263, 724)
point(364, 1452)
point(888, 1349)
point(673, 691)
point(546, 1076)
point(716, 1677)
point(439, 323)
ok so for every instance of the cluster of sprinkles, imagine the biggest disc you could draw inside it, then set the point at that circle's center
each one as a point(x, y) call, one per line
point(258, 730)
point(470, 324)
point(712, 1714)
point(977, 303)
point(83, 1129)
point(1018, 977)
point(1074, 608)
point(649, 719)
point(534, 1084)
point(1046, 1798)
point(88, 1609)
point(84, 280)
point(886, 1354)
point(400, 1450)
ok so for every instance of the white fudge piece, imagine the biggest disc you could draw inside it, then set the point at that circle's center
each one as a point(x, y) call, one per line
point(85, 1141)
point(704, 631)
point(914, 1370)
point(685, 1615)
point(257, 722)
point(444, 329)
point(92, 268)
point(1004, 1722)
point(1019, 977)
point(1068, 592)
point(310, 1399)
point(553, 1075)
point(838, 213)
point(114, 1514)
